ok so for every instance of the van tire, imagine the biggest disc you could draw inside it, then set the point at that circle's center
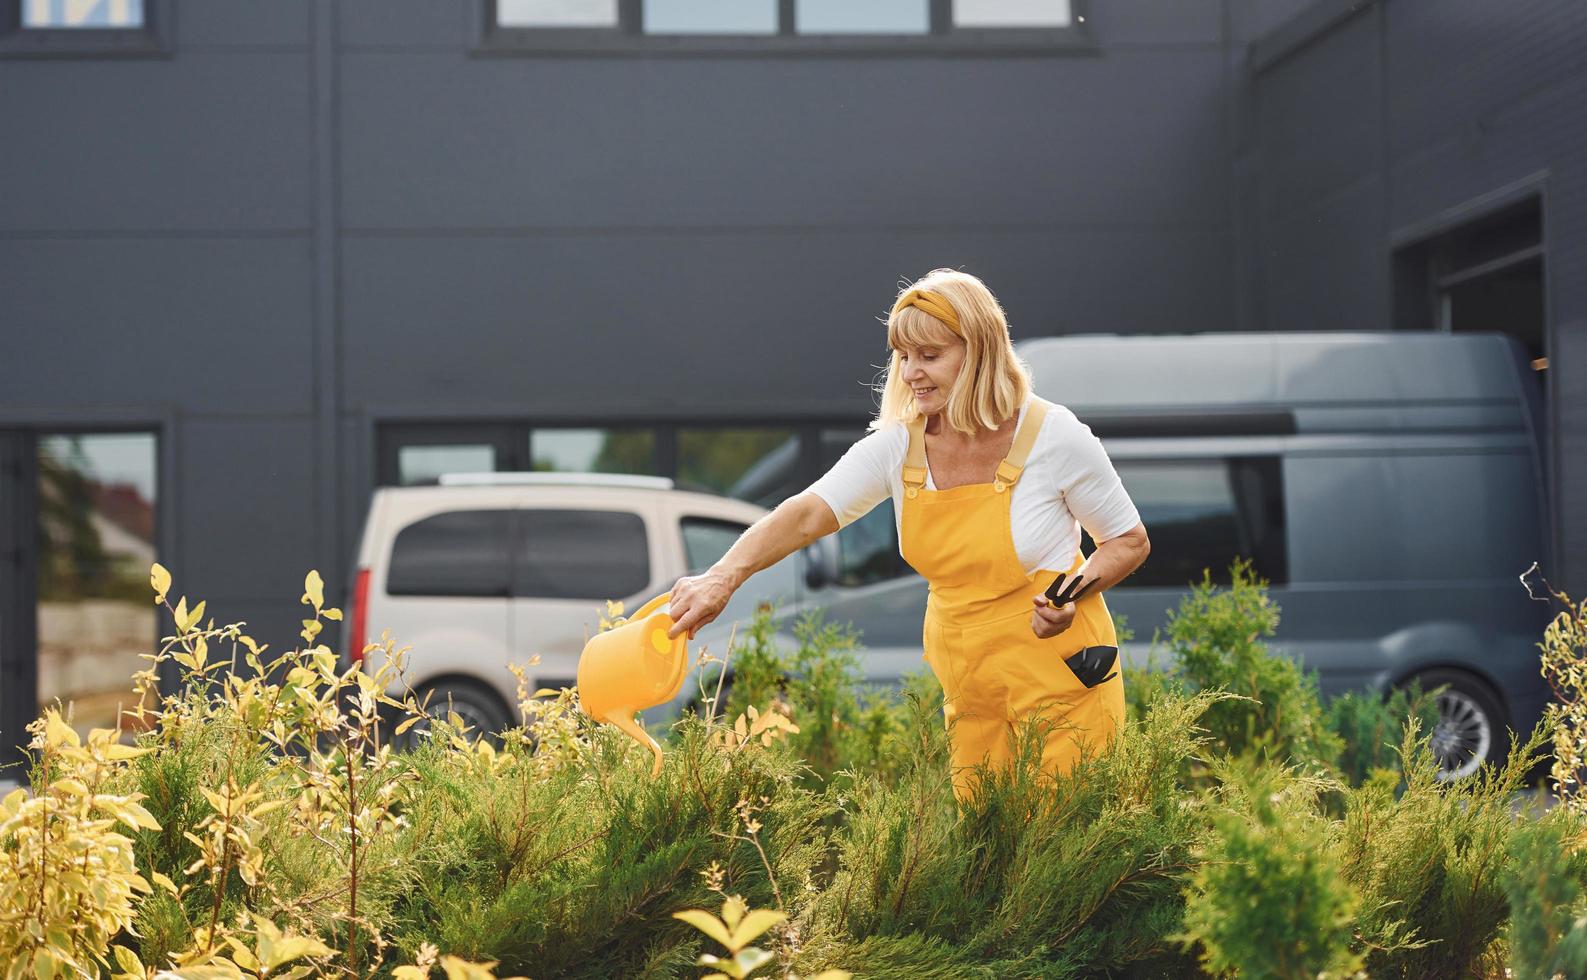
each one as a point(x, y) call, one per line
point(478, 706)
point(1471, 718)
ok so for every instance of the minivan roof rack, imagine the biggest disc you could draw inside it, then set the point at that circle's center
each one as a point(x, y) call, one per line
point(555, 478)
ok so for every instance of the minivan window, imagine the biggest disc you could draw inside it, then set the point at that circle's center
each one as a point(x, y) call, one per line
point(707, 539)
point(1201, 513)
point(580, 554)
point(459, 553)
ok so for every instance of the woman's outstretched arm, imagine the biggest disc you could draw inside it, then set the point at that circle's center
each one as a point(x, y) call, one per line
point(795, 523)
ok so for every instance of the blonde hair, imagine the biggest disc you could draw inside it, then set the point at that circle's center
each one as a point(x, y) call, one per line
point(993, 382)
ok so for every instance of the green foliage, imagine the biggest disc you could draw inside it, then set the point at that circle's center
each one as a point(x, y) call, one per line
point(1216, 638)
point(1369, 727)
point(1213, 834)
point(1543, 882)
point(1428, 865)
point(1268, 899)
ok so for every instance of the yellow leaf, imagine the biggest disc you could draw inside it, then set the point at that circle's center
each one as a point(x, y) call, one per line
point(706, 923)
point(242, 954)
point(461, 969)
point(200, 652)
point(408, 724)
point(126, 958)
point(136, 816)
point(161, 580)
point(331, 612)
point(753, 925)
point(180, 614)
point(833, 975)
point(57, 732)
point(166, 883)
point(732, 912)
point(313, 589)
point(194, 616)
point(115, 752)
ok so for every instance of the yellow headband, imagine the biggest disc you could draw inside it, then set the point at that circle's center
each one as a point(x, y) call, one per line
point(930, 303)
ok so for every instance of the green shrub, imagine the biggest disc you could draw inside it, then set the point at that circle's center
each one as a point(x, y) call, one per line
point(1370, 725)
point(1428, 864)
point(1268, 900)
point(1543, 882)
point(1216, 639)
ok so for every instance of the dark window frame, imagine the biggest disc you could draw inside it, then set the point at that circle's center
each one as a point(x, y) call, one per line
point(154, 39)
point(1270, 543)
point(628, 37)
point(686, 519)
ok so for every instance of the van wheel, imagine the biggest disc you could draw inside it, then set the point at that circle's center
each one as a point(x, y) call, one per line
point(1471, 725)
point(478, 707)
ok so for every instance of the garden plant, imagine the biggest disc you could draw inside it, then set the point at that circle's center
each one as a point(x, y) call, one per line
point(260, 824)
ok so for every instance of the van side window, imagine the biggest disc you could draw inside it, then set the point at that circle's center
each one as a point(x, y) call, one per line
point(868, 548)
point(460, 553)
point(1201, 513)
point(707, 539)
point(580, 554)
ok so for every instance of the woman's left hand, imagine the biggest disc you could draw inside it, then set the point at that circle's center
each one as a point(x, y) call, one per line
point(1048, 621)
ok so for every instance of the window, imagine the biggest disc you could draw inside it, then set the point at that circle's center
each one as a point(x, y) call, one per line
point(1201, 513)
point(425, 464)
point(84, 27)
point(1011, 13)
point(556, 13)
point(96, 496)
point(1484, 274)
point(580, 554)
point(706, 540)
point(684, 26)
point(760, 465)
point(710, 16)
point(624, 450)
point(460, 553)
point(873, 17)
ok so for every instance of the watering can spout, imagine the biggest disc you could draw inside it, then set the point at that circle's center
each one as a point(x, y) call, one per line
point(638, 734)
point(633, 667)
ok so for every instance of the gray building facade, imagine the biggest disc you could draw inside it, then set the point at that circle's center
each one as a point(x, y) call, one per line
point(260, 251)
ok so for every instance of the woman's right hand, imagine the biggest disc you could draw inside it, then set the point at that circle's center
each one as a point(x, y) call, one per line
point(698, 599)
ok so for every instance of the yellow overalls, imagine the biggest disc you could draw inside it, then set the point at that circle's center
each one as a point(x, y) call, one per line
point(994, 670)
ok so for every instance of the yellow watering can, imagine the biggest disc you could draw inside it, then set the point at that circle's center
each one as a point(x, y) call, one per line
point(633, 667)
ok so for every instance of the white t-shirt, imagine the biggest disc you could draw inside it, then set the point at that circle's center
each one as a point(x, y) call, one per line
point(1068, 483)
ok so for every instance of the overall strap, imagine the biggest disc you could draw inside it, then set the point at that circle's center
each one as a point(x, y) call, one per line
point(915, 459)
point(1013, 464)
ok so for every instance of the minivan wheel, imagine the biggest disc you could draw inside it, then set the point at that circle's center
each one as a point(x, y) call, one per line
point(1471, 724)
point(479, 708)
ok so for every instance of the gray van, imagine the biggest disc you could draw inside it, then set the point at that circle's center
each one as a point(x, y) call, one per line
point(1389, 486)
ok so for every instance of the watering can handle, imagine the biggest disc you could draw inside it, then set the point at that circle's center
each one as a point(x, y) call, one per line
point(651, 606)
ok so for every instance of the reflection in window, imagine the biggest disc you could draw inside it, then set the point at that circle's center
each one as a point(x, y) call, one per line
point(868, 547)
point(871, 17)
point(758, 465)
point(96, 540)
point(1202, 513)
point(581, 554)
point(593, 450)
point(425, 464)
point(556, 13)
point(1011, 13)
point(82, 13)
point(710, 16)
point(706, 540)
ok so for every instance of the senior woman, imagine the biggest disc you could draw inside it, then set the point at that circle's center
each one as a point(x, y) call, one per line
point(990, 485)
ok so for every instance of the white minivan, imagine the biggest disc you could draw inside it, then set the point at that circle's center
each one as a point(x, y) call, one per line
point(485, 569)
